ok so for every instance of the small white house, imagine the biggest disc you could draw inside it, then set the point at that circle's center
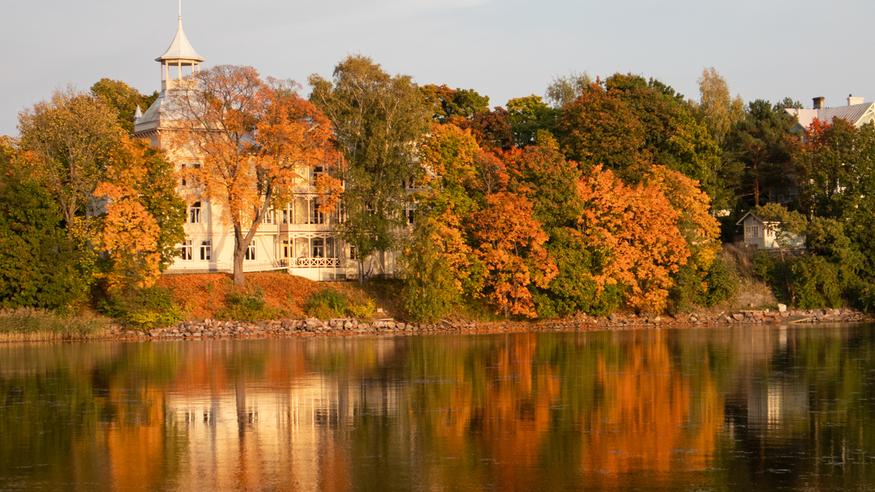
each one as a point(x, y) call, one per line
point(767, 234)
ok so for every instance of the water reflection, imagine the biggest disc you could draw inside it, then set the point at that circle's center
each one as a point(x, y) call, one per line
point(782, 409)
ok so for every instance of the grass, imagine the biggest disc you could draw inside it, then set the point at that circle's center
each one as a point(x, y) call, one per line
point(213, 295)
point(37, 324)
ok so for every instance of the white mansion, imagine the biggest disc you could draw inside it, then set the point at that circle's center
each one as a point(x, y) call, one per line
point(299, 239)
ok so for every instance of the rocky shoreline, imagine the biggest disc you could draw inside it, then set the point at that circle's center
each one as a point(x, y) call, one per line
point(212, 329)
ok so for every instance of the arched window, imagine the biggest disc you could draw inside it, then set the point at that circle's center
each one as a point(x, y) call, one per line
point(250, 251)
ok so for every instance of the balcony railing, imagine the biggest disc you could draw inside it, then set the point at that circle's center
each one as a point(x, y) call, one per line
point(315, 262)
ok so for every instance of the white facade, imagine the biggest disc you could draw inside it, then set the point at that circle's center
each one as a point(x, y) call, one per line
point(298, 238)
point(762, 234)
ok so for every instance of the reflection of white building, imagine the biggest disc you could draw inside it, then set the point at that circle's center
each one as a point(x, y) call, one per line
point(299, 238)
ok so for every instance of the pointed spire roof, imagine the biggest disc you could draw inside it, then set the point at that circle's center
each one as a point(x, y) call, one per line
point(180, 48)
point(138, 113)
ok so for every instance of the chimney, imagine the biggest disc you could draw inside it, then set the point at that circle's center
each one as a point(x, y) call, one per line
point(854, 100)
point(819, 102)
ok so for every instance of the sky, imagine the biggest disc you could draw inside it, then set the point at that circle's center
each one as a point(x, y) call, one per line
point(767, 49)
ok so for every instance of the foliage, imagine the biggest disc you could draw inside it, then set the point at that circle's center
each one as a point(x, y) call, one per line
point(528, 116)
point(510, 244)
point(67, 144)
point(143, 308)
point(762, 144)
point(565, 89)
point(143, 219)
point(719, 110)
point(261, 136)
point(636, 229)
point(246, 306)
point(326, 304)
point(376, 119)
point(40, 266)
point(599, 128)
point(450, 105)
point(124, 99)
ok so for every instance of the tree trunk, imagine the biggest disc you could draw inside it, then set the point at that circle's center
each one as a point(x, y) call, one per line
point(239, 253)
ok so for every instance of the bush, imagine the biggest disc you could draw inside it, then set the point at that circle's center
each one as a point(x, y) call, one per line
point(246, 306)
point(722, 282)
point(144, 309)
point(326, 304)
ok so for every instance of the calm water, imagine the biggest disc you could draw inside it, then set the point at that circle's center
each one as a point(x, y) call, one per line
point(740, 409)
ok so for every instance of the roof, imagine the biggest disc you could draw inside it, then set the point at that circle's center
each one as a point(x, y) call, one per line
point(168, 107)
point(852, 114)
point(756, 217)
point(180, 48)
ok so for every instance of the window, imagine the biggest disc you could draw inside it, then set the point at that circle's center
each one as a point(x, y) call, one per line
point(317, 171)
point(185, 250)
point(352, 252)
point(269, 216)
point(318, 248)
point(409, 216)
point(316, 217)
point(286, 249)
point(285, 216)
point(207, 250)
point(250, 251)
point(194, 213)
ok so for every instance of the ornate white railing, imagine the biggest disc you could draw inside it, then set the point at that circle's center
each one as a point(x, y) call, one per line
point(317, 262)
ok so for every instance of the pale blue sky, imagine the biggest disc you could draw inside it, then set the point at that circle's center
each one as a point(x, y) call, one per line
point(502, 48)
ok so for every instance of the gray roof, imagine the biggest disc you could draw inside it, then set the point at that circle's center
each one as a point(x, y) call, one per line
point(852, 114)
point(180, 48)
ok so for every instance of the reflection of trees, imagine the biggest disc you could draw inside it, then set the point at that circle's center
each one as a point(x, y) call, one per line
point(528, 411)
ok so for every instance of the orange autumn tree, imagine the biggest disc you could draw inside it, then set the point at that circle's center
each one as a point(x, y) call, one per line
point(252, 138)
point(511, 247)
point(636, 229)
point(143, 216)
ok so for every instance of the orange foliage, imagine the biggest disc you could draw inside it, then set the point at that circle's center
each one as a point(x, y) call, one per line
point(511, 247)
point(636, 228)
point(130, 233)
point(253, 139)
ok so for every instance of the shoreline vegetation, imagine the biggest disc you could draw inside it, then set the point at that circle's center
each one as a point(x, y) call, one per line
point(271, 305)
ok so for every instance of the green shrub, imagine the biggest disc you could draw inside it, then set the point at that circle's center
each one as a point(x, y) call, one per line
point(722, 282)
point(246, 306)
point(326, 304)
point(144, 309)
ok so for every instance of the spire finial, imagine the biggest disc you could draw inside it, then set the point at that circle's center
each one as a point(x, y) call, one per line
point(180, 9)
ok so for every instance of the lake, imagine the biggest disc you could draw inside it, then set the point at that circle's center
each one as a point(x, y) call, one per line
point(742, 408)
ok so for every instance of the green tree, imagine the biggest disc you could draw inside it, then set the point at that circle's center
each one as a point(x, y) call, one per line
point(377, 120)
point(39, 264)
point(68, 142)
point(124, 99)
point(528, 116)
point(453, 104)
point(762, 144)
point(565, 89)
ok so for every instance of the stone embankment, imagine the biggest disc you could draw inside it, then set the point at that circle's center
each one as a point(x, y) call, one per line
point(347, 327)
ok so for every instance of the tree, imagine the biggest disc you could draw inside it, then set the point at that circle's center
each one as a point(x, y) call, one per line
point(438, 264)
point(377, 119)
point(143, 216)
point(834, 163)
point(493, 129)
point(718, 109)
point(673, 135)
point(528, 116)
point(253, 138)
point(762, 142)
point(39, 263)
point(566, 89)
point(510, 244)
point(598, 128)
point(68, 142)
point(635, 229)
point(124, 99)
point(454, 104)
